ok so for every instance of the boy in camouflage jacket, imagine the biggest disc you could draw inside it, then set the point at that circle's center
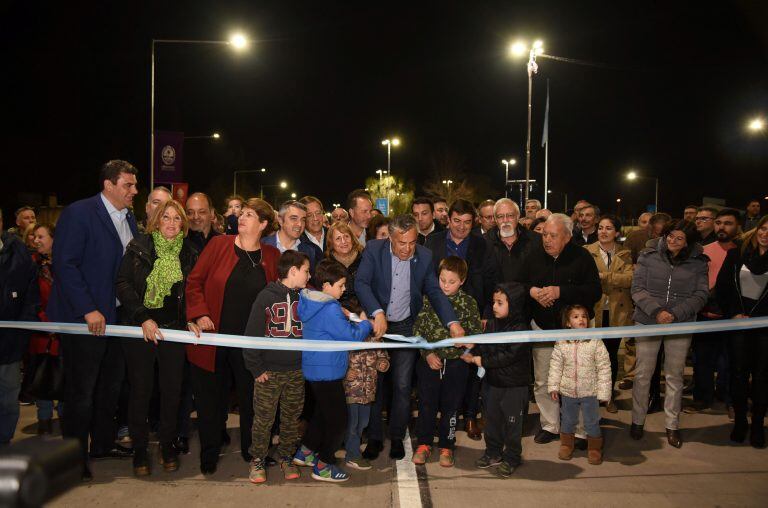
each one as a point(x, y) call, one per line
point(442, 376)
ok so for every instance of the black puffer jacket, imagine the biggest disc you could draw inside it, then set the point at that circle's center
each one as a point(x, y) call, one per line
point(19, 296)
point(728, 286)
point(680, 285)
point(507, 365)
point(131, 282)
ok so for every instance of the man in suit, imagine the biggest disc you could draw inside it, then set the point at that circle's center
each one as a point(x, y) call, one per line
point(91, 237)
point(392, 277)
point(315, 231)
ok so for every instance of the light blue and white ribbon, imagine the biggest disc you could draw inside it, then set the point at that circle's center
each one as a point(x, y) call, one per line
point(400, 342)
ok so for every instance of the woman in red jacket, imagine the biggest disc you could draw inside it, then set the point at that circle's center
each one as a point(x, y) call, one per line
point(221, 289)
point(42, 343)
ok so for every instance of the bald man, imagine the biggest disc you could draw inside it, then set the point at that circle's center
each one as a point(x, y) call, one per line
point(200, 214)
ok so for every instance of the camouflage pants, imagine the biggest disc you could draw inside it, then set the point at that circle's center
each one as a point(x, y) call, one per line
point(287, 389)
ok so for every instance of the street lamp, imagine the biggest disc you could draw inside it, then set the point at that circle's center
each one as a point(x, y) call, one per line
point(215, 135)
point(519, 49)
point(389, 143)
point(448, 183)
point(293, 195)
point(381, 173)
point(234, 181)
point(507, 163)
point(756, 125)
point(633, 175)
point(237, 41)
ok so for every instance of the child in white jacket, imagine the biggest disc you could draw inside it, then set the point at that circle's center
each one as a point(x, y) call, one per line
point(580, 376)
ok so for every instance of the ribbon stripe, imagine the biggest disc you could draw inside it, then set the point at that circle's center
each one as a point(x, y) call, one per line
point(399, 341)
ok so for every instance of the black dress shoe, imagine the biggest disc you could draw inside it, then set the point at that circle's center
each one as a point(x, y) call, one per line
point(580, 444)
point(673, 438)
point(757, 434)
point(636, 431)
point(207, 468)
point(87, 476)
point(739, 432)
point(373, 449)
point(182, 445)
point(118, 452)
point(396, 449)
point(544, 437)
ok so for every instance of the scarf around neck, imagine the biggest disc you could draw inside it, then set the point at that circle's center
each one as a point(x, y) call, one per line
point(166, 270)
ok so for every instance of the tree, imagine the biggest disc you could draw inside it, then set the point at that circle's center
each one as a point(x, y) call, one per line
point(398, 191)
point(452, 180)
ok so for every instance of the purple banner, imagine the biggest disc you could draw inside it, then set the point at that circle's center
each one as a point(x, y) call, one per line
point(169, 150)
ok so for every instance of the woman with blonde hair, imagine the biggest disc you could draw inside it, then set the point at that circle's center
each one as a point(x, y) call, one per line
point(343, 246)
point(150, 287)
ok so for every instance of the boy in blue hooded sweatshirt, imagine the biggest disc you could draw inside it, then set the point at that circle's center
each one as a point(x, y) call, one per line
point(323, 319)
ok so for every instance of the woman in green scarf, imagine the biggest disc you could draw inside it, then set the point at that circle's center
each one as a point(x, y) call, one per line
point(150, 287)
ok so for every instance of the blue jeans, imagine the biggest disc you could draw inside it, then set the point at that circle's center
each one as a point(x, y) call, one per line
point(569, 415)
point(357, 421)
point(10, 385)
point(45, 409)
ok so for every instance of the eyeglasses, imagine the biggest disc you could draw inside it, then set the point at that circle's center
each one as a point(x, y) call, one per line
point(508, 216)
point(703, 219)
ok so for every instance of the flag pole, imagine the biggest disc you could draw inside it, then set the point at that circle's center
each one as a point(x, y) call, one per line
point(545, 143)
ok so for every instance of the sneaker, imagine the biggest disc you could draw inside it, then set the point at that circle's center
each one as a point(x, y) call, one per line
point(421, 455)
point(257, 473)
point(487, 461)
point(303, 458)
point(446, 457)
point(290, 471)
point(361, 464)
point(505, 469)
point(329, 473)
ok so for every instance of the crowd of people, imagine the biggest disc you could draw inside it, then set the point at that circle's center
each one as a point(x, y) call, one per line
point(446, 270)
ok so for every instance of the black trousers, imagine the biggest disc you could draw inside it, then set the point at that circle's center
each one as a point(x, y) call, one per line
point(748, 353)
point(329, 419)
point(612, 345)
point(505, 410)
point(140, 359)
point(440, 390)
point(94, 369)
point(211, 391)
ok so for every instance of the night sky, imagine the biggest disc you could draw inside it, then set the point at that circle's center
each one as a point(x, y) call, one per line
point(669, 94)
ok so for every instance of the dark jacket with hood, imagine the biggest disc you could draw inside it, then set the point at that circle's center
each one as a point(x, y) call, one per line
point(19, 296)
point(728, 285)
point(679, 285)
point(507, 365)
point(274, 314)
point(508, 262)
point(131, 285)
point(574, 271)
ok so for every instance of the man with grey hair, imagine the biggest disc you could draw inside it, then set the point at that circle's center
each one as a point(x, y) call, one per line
point(292, 218)
point(531, 207)
point(508, 242)
point(393, 276)
point(557, 273)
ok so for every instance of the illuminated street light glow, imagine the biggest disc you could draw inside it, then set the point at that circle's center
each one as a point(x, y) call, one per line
point(632, 175)
point(238, 41)
point(518, 49)
point(283, 184)
point(293, 195)
point(216, 135)
point(263, 170)
point(756, 125)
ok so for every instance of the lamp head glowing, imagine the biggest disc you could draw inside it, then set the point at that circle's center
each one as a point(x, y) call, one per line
point(756, 125)
point(216, 135)
point(395, 141)
point(632, 175)
point(293, 195)
point(238, 41)
point(263, 170)
point(518, 49)
point(512, 162)
point(283, 184)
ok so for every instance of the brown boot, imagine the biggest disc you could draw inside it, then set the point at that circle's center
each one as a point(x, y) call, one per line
point(472, 430)
point(595, 450)
point(567, 442)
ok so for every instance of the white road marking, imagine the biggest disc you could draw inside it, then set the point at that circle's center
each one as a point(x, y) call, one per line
point(407, 481)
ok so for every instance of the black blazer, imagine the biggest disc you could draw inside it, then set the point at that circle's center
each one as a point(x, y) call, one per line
point(481, 277)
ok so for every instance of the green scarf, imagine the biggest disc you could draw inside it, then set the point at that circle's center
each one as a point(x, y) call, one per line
point(166, 271)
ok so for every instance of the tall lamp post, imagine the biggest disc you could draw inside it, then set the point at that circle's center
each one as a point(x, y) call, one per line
point(242, 171)
point(632, 176)
point(381, 173)
point(236, 41)
point(537, 49)
point(507, 163)
point(389, 143)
